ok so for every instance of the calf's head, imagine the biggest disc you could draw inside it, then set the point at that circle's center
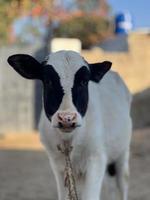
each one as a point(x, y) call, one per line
point(65, 76)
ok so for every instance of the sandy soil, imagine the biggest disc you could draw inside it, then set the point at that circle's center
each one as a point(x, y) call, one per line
point(25, 173)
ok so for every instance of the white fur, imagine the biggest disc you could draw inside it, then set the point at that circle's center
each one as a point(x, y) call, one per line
point(104, 136)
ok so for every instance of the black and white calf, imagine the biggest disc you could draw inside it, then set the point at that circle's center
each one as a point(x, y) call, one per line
point(91, 111)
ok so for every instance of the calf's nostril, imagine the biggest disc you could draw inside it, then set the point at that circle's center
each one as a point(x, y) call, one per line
point(60, 125)
point(73, 125)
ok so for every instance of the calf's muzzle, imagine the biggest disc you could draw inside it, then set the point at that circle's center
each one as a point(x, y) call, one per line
point(67, 121)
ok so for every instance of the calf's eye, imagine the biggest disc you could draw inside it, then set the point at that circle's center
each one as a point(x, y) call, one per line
point(49, 83)
point(83, 83)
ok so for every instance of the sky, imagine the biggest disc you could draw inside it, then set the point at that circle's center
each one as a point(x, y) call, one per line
point(139, 10)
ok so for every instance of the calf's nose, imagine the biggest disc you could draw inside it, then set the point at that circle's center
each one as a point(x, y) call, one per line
point(67, 119)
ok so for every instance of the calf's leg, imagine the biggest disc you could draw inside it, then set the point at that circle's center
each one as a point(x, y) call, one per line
point(95, 172)
point(59, 181)
point(122, 167)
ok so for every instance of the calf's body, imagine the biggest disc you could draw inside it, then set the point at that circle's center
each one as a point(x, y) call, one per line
point(104, 138)
point(102, 134)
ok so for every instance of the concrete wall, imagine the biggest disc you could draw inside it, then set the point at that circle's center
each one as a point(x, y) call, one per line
point(58, 44)
point(134, 65)
point(134, 68)
point(20, 99)
point(16, 95)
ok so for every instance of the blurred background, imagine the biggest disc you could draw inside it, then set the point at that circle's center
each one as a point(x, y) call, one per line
point(115, 30)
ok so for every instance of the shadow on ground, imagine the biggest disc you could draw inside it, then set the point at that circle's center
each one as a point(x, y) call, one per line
point(26, 175)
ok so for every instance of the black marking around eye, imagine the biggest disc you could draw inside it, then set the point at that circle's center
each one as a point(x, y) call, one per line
point(53, 91)
point(80, 90)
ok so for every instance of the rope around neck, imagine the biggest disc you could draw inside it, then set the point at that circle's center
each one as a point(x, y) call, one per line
point(69, 180)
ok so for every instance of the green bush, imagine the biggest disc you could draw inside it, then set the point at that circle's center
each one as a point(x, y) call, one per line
point(89, 29)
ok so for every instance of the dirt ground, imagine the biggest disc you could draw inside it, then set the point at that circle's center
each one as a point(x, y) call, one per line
point(25, 173)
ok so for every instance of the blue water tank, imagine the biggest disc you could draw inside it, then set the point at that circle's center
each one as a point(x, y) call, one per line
point(123, 23)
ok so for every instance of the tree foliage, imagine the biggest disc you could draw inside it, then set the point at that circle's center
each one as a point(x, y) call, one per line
point(90, 29)
point(11, 9)
point(7, 13)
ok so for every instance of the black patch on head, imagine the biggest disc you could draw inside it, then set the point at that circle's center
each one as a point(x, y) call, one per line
point(53, 91)
point(80, 90)
point(111, 169)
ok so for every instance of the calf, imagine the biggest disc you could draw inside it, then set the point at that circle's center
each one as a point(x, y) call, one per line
point(87, 109)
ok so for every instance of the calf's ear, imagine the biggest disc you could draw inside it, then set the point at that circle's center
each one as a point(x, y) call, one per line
point(26, 66)
point(98, 70)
